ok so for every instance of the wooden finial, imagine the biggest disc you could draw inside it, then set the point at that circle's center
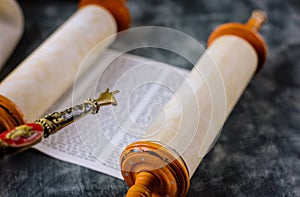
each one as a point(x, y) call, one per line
point(145, 184)
point(116, 7)
point(257, 19)
point(153, 169)
point(248, 32)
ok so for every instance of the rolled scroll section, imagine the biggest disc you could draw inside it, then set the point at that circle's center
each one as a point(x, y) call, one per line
point(11, 27)
point(50, 70)
point(234, 55)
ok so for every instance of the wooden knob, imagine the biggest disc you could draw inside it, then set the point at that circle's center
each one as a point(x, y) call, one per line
point(153, 169)
point(257, 19)
point(11, 115)
point(145, 184)
point(116, 7)
point(249, 32)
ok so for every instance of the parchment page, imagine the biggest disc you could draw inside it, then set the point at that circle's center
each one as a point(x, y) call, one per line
point(96, 141)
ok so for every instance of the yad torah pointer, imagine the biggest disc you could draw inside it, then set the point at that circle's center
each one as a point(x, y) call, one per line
point(163, 163)
point(58, 59)
point(23, 137)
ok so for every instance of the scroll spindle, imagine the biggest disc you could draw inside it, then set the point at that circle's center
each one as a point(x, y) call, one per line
point(173, 153)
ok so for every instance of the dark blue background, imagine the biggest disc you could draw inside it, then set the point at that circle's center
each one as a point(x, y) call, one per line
point(258, 153)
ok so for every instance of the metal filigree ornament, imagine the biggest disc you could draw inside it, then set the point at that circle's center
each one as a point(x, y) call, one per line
point(24, 136)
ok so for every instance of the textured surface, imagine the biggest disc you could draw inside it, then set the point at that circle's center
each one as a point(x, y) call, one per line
point(258, 153)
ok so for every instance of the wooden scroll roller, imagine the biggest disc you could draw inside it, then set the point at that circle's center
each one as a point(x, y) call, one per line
point(42, 78)
point(11, 27)
point(160, 165)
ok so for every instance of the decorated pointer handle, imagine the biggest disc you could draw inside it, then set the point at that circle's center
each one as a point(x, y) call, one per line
point(22, 137)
